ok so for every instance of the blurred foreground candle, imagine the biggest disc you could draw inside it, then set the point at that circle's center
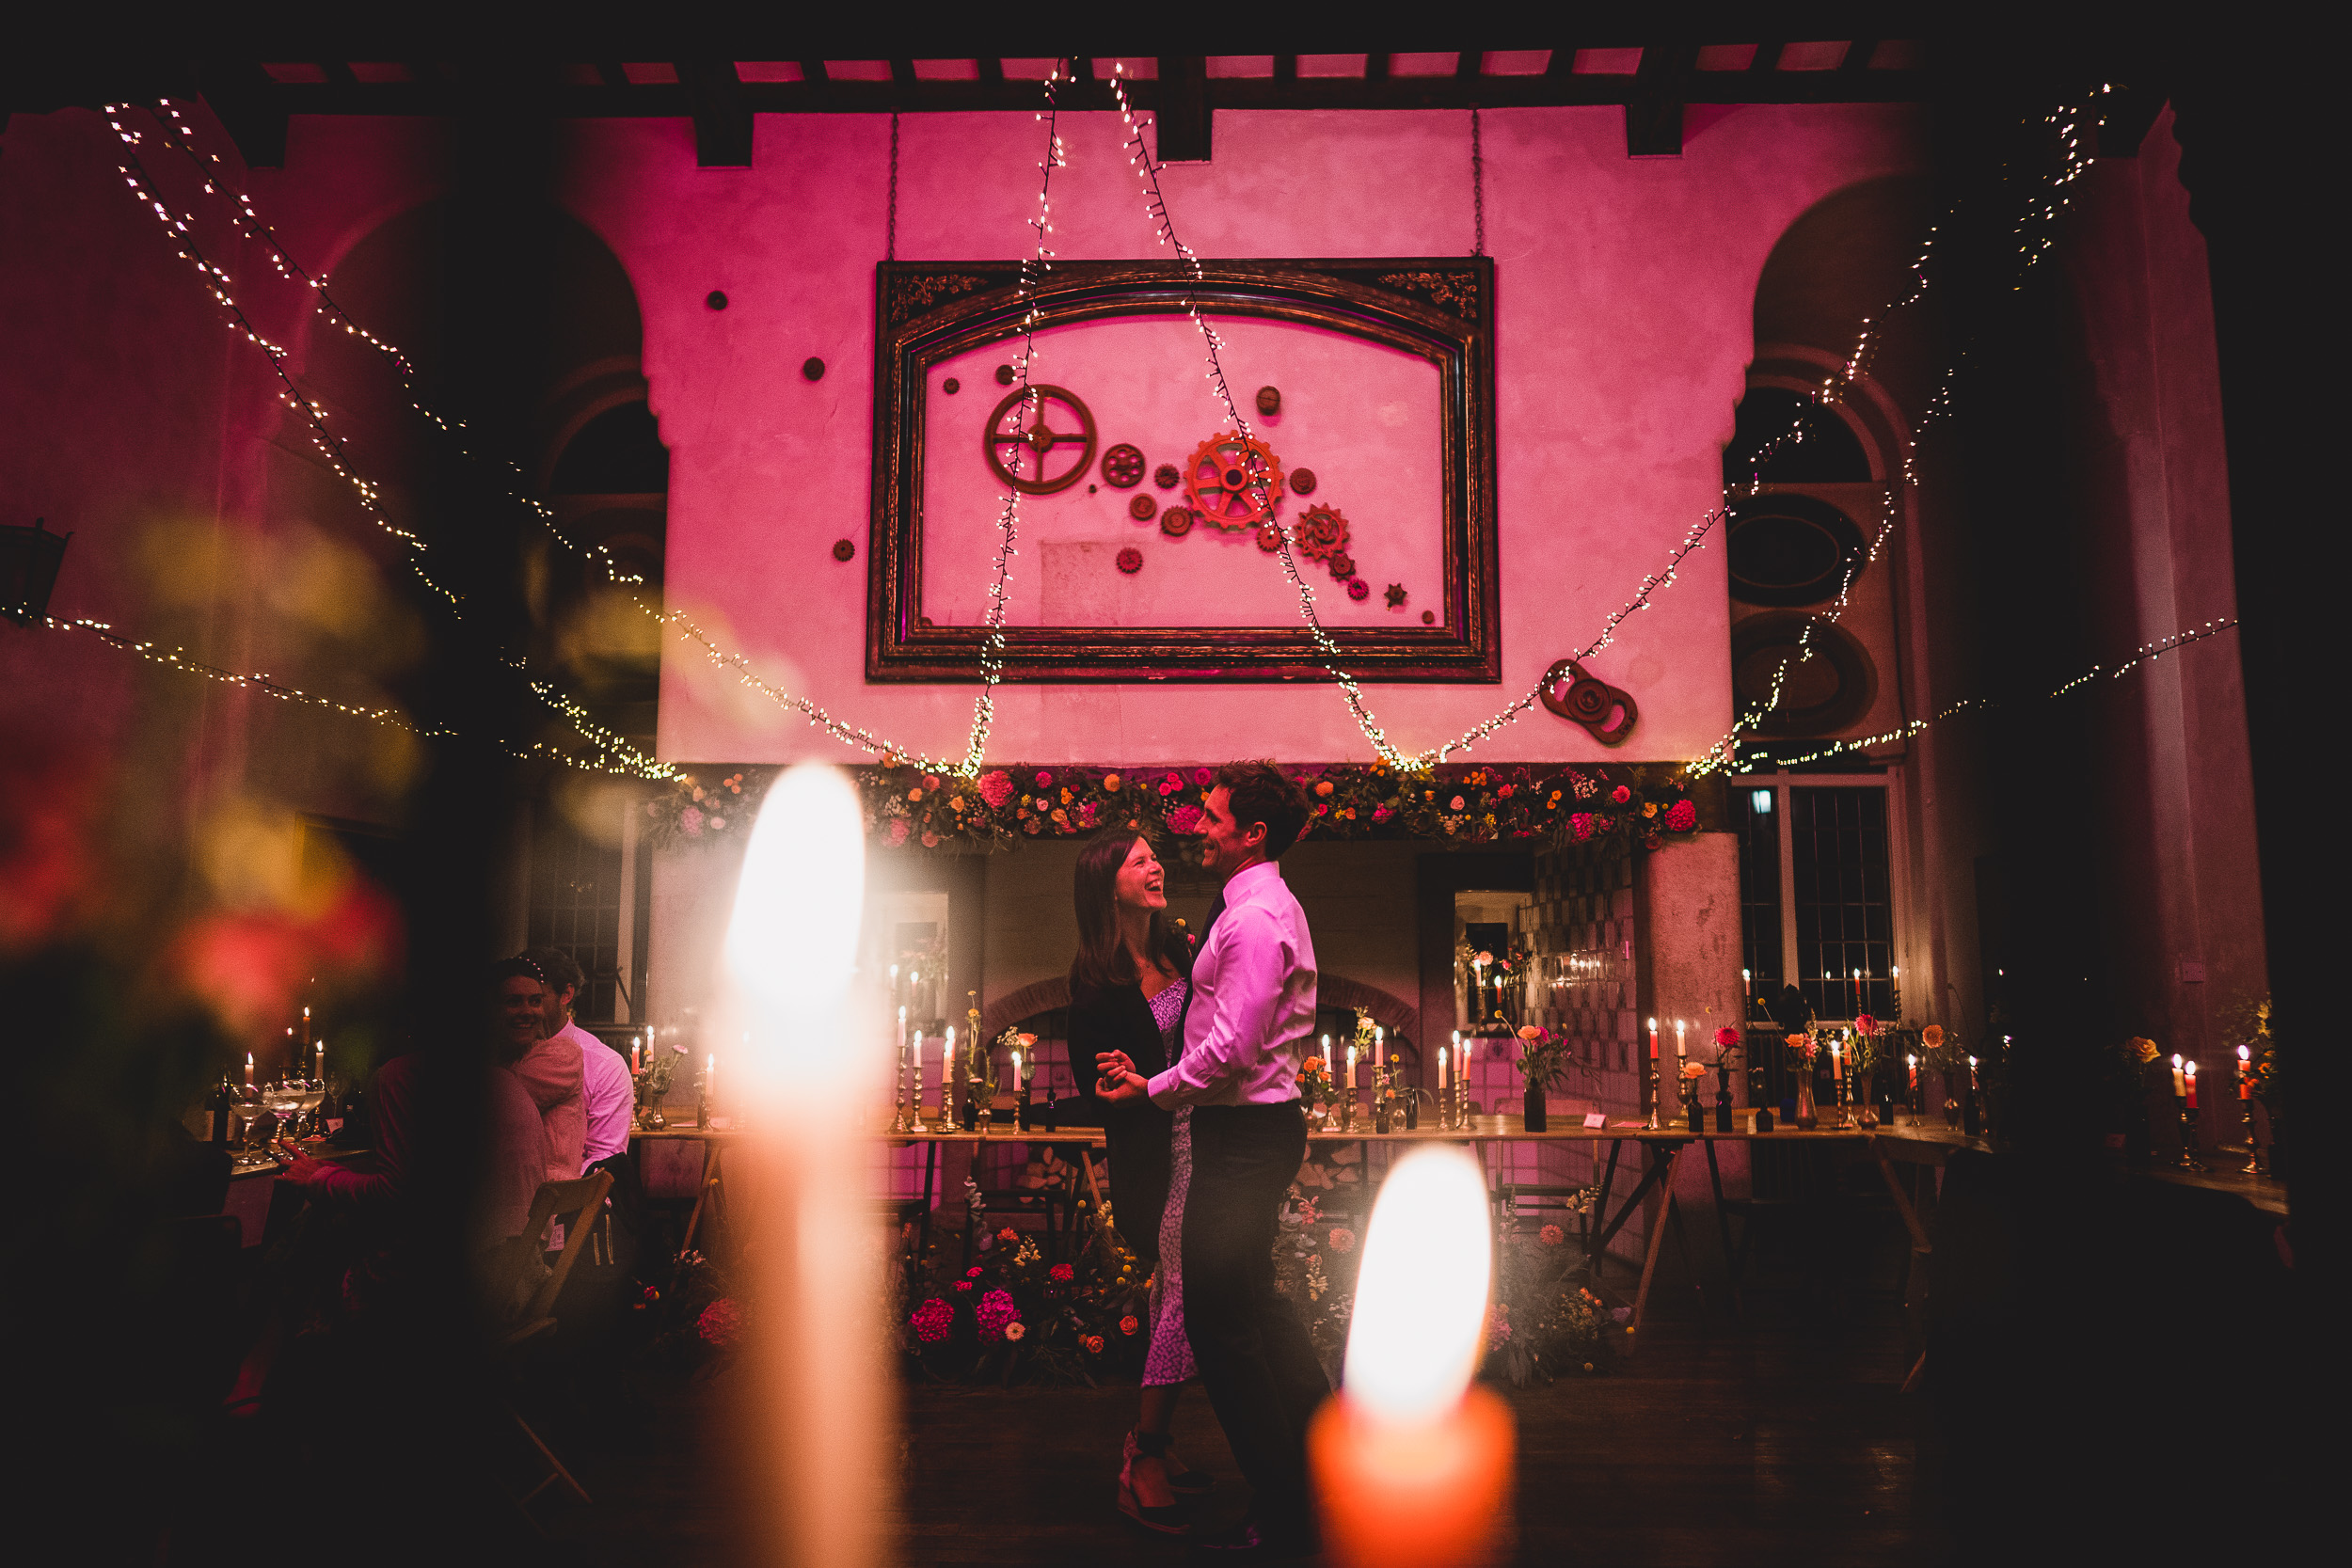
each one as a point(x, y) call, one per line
point(1411, 1465)
point(816, 1441)
point(249, 1069)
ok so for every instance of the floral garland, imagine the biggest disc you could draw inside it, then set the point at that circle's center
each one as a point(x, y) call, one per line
point(909, 807)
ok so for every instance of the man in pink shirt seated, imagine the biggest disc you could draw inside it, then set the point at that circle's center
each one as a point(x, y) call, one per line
point(550, 1070)
point(610, 1095)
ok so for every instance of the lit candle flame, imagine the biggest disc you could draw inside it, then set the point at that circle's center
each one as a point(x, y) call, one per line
point(1421, 1295)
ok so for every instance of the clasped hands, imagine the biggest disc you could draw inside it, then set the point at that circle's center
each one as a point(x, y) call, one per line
point(1117, 1079)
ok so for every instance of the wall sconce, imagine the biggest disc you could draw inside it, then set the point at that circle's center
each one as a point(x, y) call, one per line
point(29, 559)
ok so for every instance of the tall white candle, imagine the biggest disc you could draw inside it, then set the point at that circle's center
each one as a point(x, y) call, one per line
point(818, 1440)
point(1679, 1048)
point(248, 1069)
point(1379, 1047)
point(948, 1073)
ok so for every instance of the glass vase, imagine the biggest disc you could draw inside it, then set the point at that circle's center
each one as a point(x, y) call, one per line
point(1806, 1118)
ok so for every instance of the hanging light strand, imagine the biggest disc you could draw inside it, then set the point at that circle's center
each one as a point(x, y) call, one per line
point(181, 228)
point(2034, 232)
point(1980, 705)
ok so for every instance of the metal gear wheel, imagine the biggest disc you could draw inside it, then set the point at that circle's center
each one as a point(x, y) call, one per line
point(1234, 481)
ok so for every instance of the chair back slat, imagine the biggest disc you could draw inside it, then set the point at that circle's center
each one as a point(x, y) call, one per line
point(576, 1204)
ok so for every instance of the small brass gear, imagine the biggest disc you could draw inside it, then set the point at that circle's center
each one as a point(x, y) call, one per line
point(1235, 482)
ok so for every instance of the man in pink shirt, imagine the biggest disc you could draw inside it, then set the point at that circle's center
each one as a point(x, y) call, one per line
point(1247, 1026)
point(610, 1094)
point(550, 1070)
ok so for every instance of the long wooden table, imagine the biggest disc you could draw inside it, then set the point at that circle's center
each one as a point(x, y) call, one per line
point(1664, 1146)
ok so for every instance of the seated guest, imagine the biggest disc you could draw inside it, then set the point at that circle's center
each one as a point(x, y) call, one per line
point(552, 1071)
point(612, 1096)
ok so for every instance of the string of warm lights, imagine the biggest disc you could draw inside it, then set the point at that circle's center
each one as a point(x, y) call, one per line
point(2072, 163)
point(2074, 160)
point(1905, 731)
point(1155, 206)
point(609, 746)
point(180, 228)
point(173, 134)
point(269, 686)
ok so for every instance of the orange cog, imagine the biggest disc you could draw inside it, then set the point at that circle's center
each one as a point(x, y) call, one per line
point(1235, 482)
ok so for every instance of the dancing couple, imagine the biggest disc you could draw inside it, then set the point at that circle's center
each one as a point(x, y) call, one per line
point(1199, 1054)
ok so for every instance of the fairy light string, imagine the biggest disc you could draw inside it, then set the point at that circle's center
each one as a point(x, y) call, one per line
point(2035, 231)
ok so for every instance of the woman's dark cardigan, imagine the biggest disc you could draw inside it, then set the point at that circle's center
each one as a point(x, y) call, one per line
point(1117, 1018)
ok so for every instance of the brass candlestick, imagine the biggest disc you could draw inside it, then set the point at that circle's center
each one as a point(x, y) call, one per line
point(917, 1098)
point(899, 1093)
point(1654, 1125)
point(2255, 1165)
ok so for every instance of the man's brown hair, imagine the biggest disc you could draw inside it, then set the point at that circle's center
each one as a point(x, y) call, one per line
point(1263, 793)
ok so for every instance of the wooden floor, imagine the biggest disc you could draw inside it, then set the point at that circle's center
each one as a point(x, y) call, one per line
point(1782, 1439)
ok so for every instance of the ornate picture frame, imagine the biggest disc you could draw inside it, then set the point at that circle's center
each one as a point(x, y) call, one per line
point(1441, 308)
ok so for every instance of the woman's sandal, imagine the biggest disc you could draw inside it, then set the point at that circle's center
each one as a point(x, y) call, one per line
point(1173, 1520)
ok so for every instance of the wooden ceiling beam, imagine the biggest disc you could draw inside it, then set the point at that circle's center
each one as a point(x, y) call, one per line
point(1653, 112)
point(723, 119)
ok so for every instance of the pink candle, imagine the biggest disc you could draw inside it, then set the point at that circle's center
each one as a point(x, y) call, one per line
point(1653, 1039)
point(2190, 1072)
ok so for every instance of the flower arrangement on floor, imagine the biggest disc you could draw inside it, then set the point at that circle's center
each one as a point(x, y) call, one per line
point(907, 806)
point(697, 1320)
point(1011, 1312)
point(1540, 1327)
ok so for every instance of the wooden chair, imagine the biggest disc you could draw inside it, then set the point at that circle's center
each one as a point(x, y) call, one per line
point(577, 1204)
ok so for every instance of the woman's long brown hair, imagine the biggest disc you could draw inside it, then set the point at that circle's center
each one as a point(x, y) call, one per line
point(1102, 958)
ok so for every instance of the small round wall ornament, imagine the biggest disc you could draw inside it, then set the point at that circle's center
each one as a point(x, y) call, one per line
point(1342, 565)
point(1141, 507)
point(1359, 589)
point(1177, 521)
point(951, 387)
point(1123, 465)
point(1166, 477)
point(1396, 595)
point(1269, 401)
point(843, 550)
point(1302, 482)
point(1004, 375)
point(1131, 561)
point(1269, 537)
point(813, 368)
point(1428, 617)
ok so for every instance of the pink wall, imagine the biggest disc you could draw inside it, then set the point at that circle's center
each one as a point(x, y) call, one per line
point(1624, 293)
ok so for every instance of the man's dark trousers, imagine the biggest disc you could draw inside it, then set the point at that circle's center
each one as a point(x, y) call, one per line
point(1255, 1360)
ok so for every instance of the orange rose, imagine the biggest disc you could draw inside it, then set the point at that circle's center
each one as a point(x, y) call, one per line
point(1093, 1343)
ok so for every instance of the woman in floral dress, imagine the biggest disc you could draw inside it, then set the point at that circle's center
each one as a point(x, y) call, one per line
point(1128, 988)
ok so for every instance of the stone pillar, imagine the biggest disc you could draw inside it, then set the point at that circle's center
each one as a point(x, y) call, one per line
point(1687, 909)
